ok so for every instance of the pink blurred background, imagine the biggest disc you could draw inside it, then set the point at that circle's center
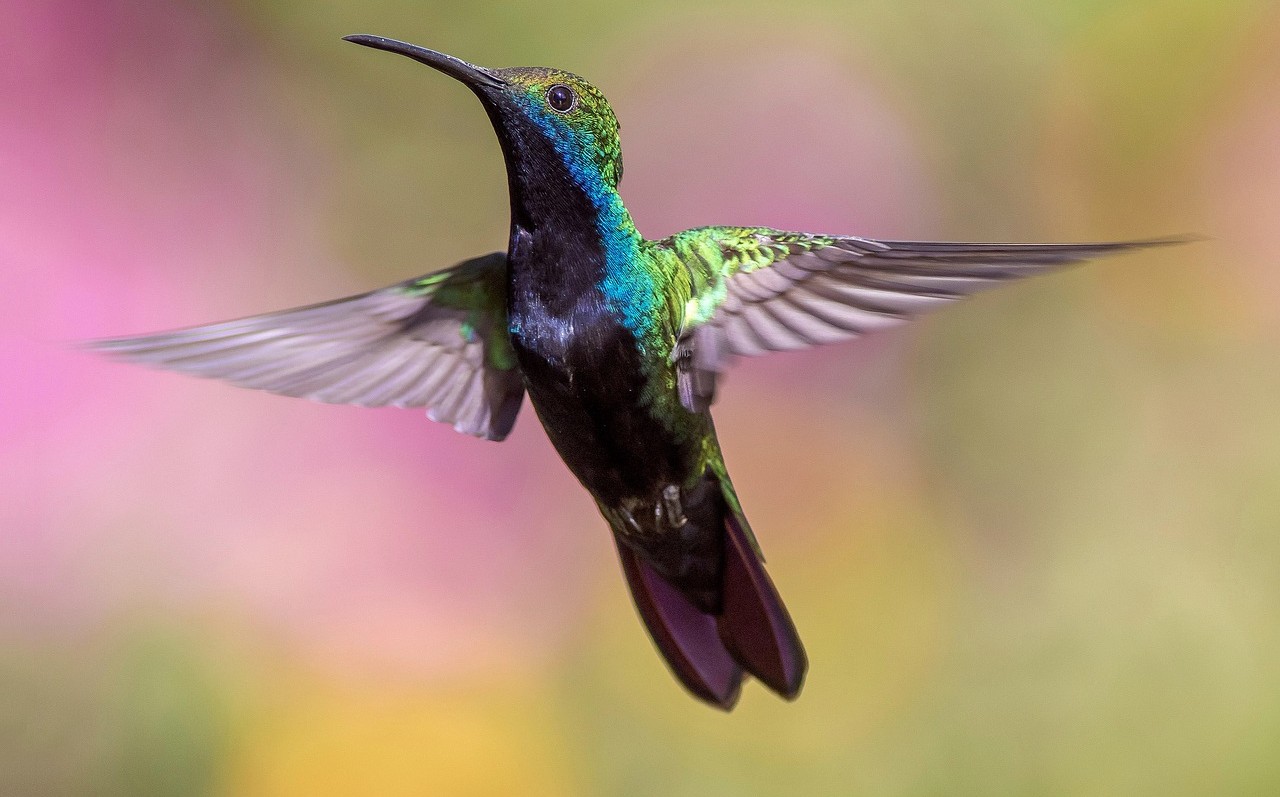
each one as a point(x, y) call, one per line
point(1031, 542)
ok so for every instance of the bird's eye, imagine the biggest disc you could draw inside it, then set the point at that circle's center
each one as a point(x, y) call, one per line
point(561, 98)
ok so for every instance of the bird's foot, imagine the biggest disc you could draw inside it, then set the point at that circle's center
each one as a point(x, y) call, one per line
point(669, 509)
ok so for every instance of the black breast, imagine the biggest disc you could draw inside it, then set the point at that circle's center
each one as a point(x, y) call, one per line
point(586, 380)
point(583, 369)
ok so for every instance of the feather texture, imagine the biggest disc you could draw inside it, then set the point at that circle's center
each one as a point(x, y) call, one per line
point(756, 290)
point(438, 342)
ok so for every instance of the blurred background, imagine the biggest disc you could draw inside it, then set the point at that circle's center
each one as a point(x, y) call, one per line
point(1032, 542)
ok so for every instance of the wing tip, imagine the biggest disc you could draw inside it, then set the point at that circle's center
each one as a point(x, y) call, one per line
point(1179, 239)
point(109, 347)
point(1158, 240)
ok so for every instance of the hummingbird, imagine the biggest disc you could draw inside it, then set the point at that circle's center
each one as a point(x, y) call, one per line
point(618, 341)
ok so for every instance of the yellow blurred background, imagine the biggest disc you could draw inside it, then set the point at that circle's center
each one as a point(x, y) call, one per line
point(1032, 542)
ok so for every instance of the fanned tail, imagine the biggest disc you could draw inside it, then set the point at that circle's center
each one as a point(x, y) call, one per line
point(709, 651)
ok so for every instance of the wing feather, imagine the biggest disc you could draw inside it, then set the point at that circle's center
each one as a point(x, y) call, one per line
point(756, 290)
point(438, 342)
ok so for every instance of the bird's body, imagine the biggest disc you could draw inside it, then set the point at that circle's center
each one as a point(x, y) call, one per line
point(586, 370)
point(617, 340)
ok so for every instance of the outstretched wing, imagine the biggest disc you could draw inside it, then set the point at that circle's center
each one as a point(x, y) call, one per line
point(438, 341)
point(756, 290)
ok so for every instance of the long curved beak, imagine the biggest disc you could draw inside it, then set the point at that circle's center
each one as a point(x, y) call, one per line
point(476, 77)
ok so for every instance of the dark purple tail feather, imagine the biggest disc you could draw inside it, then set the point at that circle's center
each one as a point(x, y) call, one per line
point(709, 652)
point(687, 638)
point(754, 624)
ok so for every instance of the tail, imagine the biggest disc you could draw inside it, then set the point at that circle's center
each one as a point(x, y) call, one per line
point(710, 651)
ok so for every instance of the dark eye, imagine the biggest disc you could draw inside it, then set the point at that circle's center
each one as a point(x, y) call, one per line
point(561, 98)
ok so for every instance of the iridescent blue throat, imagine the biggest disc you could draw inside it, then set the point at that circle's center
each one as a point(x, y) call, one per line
point(627, 285)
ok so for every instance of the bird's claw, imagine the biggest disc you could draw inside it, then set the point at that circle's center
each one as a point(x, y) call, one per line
point(670, 509)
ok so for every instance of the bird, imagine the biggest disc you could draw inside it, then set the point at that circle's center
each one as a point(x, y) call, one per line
point(619, 342)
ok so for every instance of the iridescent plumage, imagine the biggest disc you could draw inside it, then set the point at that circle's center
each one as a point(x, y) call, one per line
point(618, 341)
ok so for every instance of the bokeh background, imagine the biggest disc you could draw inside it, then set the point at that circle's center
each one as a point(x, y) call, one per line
point(1032, 542)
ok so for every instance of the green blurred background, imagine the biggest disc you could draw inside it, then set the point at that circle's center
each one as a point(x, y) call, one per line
point(1032, 542)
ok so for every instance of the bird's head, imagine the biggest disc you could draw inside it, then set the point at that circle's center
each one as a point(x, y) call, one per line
point(531, 107)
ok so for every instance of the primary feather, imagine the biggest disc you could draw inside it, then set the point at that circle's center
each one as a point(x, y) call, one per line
point(438, 342)
point(758, 290)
